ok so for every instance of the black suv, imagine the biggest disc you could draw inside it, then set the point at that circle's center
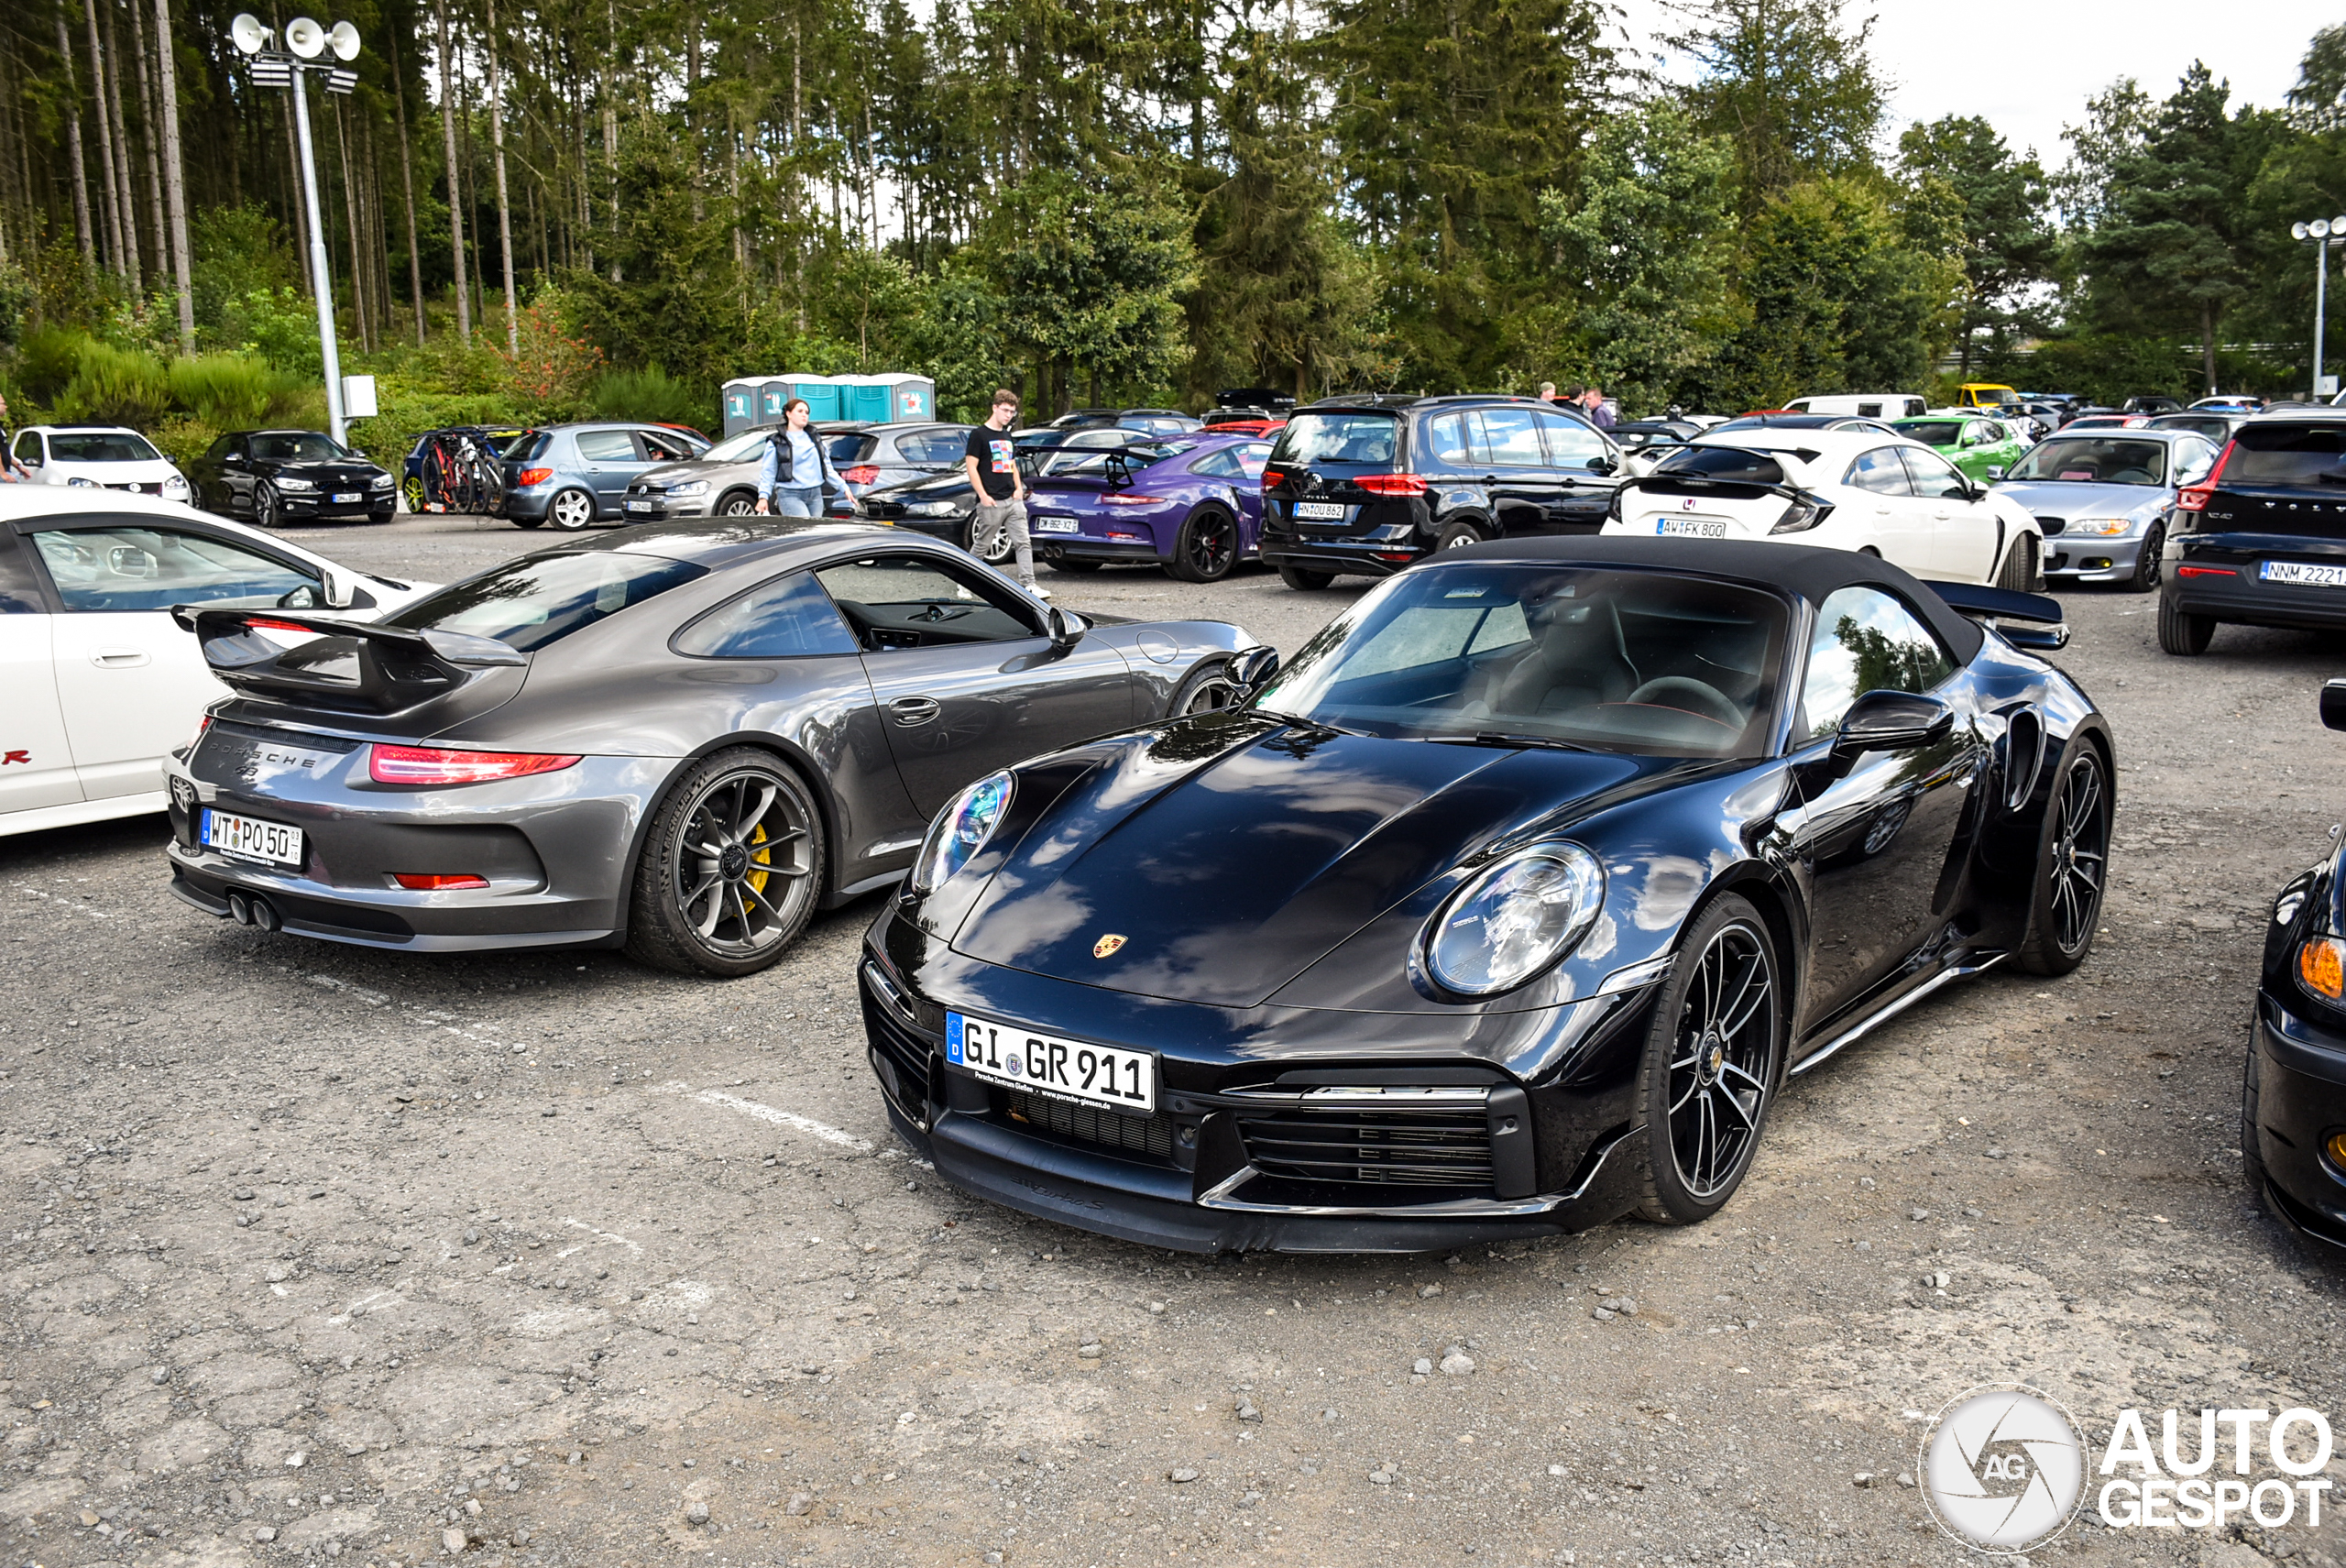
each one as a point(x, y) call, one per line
point(1367, 485)
point(2262, 539)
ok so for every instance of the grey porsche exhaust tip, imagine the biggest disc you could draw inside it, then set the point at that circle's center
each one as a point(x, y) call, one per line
point(251, 909)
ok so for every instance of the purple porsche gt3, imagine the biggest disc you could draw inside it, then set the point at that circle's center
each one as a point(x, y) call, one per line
point(1191, 504)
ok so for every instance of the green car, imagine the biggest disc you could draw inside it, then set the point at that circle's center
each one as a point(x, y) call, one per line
point(1982, 448)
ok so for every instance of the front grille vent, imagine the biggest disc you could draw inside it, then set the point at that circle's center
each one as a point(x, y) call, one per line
point(1151, 1136)
point(1393, 1148)
point(2052, 525)
point(903, 1050)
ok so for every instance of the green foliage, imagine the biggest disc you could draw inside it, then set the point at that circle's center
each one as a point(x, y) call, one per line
point(1788, 83)
point(47, 360)
point(16, 297)
point(867, 298)
point(651, 394)
point(1094, 278)
point(115, 386)
point(234, 391)
point(407, 408)
point(278, 325)
point(1995, 212)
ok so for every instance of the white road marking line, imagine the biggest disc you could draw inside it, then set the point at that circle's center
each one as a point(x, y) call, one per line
point(807, 1124)
point(63, 903)
point(372, 998)
point(605, 1236)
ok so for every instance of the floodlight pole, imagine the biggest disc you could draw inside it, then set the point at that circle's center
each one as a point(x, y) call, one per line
point(320, 284)
point(2320, 301)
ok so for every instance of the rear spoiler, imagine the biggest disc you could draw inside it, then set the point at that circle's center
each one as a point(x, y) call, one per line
point(351, 664)
point(2046, 629)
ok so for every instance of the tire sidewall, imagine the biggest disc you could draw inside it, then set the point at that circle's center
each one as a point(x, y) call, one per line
point(1181, 566)
point(1458, 535)
point(2145, 579)
point(265, 505)
point(657, 933)
point(2040, 953)
point(554, 511)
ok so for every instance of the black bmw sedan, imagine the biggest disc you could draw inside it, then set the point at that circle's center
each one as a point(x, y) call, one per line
point(2293, 1105)
point(682, 739)
point(275, 477)
point(1505, 910)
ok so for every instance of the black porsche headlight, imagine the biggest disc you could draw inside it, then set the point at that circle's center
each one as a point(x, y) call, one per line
point(1518, 917)
point(960, 831)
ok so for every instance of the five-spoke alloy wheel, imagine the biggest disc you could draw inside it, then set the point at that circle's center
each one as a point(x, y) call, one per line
point(2072, 866)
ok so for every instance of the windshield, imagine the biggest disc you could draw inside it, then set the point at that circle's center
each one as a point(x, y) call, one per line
point(108, 446)
point(2280, 454)
point(737, 448)
point(1993, 394)
point(2095, 460)
point(1337, 438)
point(1643, 662)
point(539, 599)
point(1932, 431)
point(306, 447)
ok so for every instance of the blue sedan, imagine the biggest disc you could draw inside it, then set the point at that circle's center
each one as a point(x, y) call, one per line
point(1192, 505)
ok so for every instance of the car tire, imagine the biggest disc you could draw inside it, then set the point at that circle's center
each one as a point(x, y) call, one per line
point(2018, 570)
point(2065, 892)
point(571, 511)
point(1205, 548)
point(1073, 565)
point(700, 902)
point(2147, 562)
point(2252, 1161)
point(412, 492)
point(1713, 1060)
point(1209, 689)
point(1458, 535)
point(1303, 579)
point(737, 503)
point(2182, 633)
point(267, 511)
point(1003, 549)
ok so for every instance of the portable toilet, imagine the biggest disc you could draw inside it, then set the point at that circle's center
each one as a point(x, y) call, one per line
point(864, 398)
point(773, 396)
point(822, 395)
point(910, 397)
point(741, 400)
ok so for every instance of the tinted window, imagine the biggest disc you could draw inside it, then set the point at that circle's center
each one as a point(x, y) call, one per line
point(1336, 438)
point(783, 620)
point(1641, 661)
point(1727, 462)
point(1934, 431)
point(1570, 444)
point(2288, 454)
point(530, 447)
point(19, 594)
point(899, 601)
point(296, 448)
point(931, 445)
point(1511, 438)
point(660, 447)
point(131, 567)
point(1933, 476)
point(28, 448)
point(1451, 441)
point(107, 446)
point(850, 448)
point(2095, 459)
point(1221, 465)
point(537, 601)
point(1865, 641)
point(1881, 472)
point(605, 446)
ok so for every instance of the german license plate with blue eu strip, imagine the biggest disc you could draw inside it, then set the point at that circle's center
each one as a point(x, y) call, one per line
point(1071, 1070)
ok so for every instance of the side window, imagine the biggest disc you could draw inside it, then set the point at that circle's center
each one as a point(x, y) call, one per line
point(921, 601)
point(1936, 477)
point(660, 447)
point(1221, 465)
point(19, 593)
point(1881, 472)
point(1866, 640)
point(787, 619)
point(29, 449)
point(135, 568)
point(1570, 444)
point(1513, 438)
point(2192, 461)
point(605, 446)
point(1251, 456)
point(1450, 439)
point(932, 445)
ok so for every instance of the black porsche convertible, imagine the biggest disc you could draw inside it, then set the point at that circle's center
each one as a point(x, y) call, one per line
point(1504, 910)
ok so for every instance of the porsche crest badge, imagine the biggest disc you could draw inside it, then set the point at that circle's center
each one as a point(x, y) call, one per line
point(1106, 945)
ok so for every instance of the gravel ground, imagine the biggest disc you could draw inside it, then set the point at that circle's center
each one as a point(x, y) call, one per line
point(312, 1252)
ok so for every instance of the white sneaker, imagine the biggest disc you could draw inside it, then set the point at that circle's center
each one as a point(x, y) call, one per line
point(1038, 591)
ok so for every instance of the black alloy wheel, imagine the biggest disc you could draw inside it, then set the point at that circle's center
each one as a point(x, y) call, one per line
point(2072, 866)
point(1714, 1055)
point(1209, 689)
point(267, 511)
point(2146, 564)
point(1205, 548)
point(2183, 635)
point(737, 505)
point(1303, 579)
point(731, 870)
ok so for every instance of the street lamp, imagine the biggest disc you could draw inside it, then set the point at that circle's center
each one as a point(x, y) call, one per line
point(274, 68)
point(2323, 231)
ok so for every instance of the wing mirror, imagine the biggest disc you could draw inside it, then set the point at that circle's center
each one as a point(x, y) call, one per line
point(1252, 669)
point(1891, 721)
point(1065, 628)
point(2333, 704)
point(1995, 473)
point(1602, 465)
point(341, 592)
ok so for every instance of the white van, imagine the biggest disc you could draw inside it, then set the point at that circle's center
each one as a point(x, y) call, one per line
point(1865, 405)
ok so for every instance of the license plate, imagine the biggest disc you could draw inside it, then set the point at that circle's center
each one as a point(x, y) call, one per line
point(1320, 511)
point(267, 842)
point(344, 497)
point(2305, 573)
point(638, 506)
point(1056, 525)
point(1068, 1070)
point(1694, 527)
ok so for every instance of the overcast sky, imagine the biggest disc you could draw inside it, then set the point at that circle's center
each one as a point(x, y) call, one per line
point(2028, 69)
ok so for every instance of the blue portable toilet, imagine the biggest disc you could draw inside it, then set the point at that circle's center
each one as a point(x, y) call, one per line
point(739, 399)
point(822, 395)
point(910, 397)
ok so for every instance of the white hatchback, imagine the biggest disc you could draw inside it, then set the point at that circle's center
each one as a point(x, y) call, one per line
point(1849, 489)
point(100, 681)
point(106, 457)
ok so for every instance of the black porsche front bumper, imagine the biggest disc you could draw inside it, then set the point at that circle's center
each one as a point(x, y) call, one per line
point(1316, 1154)
point(2298, 1099)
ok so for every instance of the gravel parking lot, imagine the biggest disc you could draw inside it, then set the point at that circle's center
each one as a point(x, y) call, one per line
point(308, 1251)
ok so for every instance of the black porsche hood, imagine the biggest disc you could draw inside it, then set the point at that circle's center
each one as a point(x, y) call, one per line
point(1228, 869)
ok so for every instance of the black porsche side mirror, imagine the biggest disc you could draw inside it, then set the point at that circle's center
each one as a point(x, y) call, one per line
point(1251, 667)
point(1891, 721)
point(1066, 631)
point(2333, 704)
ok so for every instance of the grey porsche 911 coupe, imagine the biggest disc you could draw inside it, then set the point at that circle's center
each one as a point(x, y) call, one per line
point(682, 739)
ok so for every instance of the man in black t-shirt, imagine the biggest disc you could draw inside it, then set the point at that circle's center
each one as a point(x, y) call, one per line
point(991, 462)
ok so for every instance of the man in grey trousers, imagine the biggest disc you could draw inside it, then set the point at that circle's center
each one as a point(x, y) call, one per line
point(991, 464)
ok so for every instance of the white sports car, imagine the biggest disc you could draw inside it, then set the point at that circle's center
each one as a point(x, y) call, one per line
point(1849, 489)
point(99, 683)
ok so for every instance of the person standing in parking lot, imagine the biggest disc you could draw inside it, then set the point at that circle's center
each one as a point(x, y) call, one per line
point(1592, 403)
point(991, 462)
point(796, 470)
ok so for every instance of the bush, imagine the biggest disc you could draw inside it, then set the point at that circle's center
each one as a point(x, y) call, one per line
point(279, 324)
point(115, 386)
point(234, 391)
point(183, 440)
point(407, 410)
point(650, 395)
point(45, 363)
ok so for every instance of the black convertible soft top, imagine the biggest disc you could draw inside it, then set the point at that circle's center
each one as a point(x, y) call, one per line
point(1811, 573)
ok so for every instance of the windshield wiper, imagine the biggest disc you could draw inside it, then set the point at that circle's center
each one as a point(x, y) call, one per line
point(1301, 722)
point(1495, 738)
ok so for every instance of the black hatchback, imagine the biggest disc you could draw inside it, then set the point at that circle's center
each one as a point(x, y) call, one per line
point(2261, 541)
point(1368, 485)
